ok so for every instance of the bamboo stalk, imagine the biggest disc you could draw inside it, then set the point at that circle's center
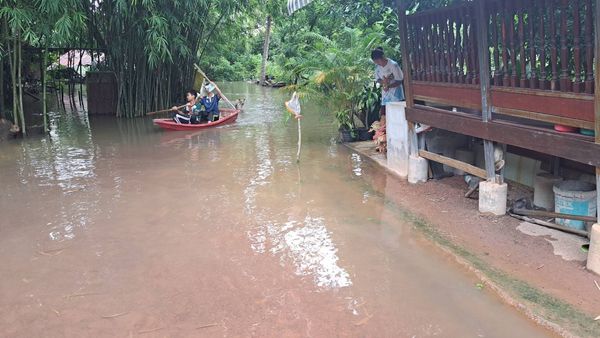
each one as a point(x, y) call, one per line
point(20, 84)
point(44, 103)
point(299, 141)
point(12, 59)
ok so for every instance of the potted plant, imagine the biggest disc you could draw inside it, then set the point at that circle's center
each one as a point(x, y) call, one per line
point(369, 104)
point(345, 123)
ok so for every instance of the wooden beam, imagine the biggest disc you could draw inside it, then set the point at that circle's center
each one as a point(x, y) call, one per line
point(466, 167)
point(483, 52)
point(570, 146)
point(406, 68)
point(544, 117)
point(597, 93)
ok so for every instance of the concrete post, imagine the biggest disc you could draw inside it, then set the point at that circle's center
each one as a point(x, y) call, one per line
point(418, 169)
point(593, 261)
point(398, 143)
point(492, 198)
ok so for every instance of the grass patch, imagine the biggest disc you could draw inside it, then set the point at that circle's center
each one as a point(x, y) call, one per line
point(540, 303)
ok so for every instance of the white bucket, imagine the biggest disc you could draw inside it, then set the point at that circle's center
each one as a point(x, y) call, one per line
point(575, 198)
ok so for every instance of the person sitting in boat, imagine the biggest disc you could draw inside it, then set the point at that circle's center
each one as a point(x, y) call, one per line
point(211, 102)
point(189, 114)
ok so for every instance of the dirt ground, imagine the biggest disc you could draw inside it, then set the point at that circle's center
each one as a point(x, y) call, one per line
point(495, 239)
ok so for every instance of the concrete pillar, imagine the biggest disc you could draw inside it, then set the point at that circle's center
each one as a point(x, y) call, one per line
point(593, 261)
point(398, 144)
point(492, 198)
point(418, 169)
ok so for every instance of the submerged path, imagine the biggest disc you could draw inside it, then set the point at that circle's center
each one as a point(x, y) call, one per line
point(114, 228)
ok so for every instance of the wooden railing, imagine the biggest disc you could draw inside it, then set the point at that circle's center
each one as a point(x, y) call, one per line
point(541, 55)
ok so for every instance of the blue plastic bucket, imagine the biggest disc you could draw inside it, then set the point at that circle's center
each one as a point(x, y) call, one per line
point(574, 198)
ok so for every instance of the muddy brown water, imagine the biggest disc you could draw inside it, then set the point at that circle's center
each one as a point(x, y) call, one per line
point(114, 228)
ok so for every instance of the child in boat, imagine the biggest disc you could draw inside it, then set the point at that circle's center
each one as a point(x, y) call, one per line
point(211, 102)
point(188, 114)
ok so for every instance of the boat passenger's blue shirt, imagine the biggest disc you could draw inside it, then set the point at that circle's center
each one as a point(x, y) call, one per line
point(211, 104)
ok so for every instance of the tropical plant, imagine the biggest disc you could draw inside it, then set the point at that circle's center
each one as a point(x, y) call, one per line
point(340, 70)
point(369, 104)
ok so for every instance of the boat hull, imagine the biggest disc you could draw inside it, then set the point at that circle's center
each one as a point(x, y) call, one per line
point(227, 116)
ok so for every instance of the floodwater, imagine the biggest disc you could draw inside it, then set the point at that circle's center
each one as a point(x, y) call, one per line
point(114, 228)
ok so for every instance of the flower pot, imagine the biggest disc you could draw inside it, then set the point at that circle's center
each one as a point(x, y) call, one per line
point(347, 136)
point(363, 134)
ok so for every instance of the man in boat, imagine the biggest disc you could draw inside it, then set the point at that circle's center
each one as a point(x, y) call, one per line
point(211, 102)
point(389, 75)
point(189, 114)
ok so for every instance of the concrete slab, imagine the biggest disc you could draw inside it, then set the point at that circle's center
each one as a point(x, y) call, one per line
point(565, 245)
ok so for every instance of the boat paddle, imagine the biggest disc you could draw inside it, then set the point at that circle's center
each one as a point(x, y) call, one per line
point(206, 77)
point(164, 110)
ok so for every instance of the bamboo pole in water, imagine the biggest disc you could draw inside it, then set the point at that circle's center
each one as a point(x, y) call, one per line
point(12, 59)
point(299, 141)
point(20, 84)
point(44, 101)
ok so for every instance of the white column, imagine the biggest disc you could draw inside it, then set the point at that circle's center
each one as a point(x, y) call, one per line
point(398, 144)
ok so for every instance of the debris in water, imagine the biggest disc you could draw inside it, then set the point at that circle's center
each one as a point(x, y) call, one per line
point(479, 286)
point(115, 315)
point(151, 330)
point(598, 286)
point(51, 252)
point(539, 267)
point(82, 295)
point(364, 320)
point(597, 318)
point(206, 326)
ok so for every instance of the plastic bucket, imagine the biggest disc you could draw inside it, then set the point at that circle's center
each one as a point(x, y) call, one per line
point(575, 198)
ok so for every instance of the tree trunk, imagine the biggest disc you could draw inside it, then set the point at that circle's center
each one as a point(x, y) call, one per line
point(265, 56)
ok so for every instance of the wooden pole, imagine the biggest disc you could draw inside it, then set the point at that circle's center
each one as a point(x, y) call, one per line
point(406, 68)
point(597, 92)
point(484, 80)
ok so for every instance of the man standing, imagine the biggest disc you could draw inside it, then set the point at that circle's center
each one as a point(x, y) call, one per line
point(389, 75)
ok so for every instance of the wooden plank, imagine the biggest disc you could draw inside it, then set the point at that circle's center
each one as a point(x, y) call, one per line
point(545, 93)
point(575, 106)
point(468, 168)
point(443, 102)
point(570, 106)
point(544, 117)
point(452, 95)
point(570, 146)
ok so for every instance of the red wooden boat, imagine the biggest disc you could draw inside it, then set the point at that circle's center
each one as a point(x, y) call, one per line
point(227, 116)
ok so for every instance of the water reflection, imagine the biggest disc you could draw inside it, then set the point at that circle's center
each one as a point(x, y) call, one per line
point(305, 244)
point(309, 247)
point(66, 159)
